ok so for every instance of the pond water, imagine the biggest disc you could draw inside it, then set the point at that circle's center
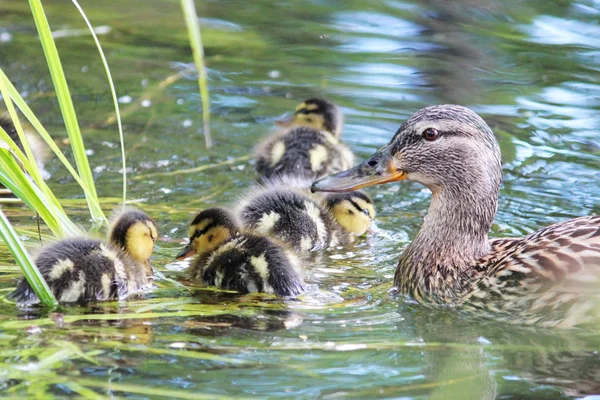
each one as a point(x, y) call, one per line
point(530, 68)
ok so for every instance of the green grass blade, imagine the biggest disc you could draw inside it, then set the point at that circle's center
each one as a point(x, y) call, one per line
point(67, 109)
point(22, 105)
point(114, 96)
point(22, 257)
point(13, 177)
point(28, 166)
point(193, 28)
point(29, 163)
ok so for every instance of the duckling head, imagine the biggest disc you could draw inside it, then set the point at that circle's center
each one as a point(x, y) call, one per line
point(353, 211)
point(135, 232)
point(208, 230)
point(318, 114)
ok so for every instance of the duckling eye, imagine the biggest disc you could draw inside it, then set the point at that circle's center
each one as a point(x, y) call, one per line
point(366, 212)
point(210, 238)
point(431, 134)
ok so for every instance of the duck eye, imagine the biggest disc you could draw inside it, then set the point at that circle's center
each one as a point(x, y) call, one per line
point(431, 134)
point(366, 212)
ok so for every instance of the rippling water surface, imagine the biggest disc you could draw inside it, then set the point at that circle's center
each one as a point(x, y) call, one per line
point(530, 68)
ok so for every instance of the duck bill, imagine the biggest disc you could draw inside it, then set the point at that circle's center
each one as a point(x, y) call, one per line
point(188, 251)
point(378, 169)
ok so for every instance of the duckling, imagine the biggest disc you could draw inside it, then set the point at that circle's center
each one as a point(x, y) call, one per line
point(81, 269)
point(310, 148)
point(301, 220)
point(547, 278)
point(233, 260)
point(353, 211)
point(316, 113)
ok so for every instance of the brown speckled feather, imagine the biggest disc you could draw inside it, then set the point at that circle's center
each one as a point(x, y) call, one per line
point(550, 277)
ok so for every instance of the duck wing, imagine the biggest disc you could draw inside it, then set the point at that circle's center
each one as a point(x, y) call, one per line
point(551, 276)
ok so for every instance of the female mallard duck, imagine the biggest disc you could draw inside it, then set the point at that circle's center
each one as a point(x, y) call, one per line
point(81, 269)
point(301, 221)
point(230, 259)
point(548, 277)
point(310, 148)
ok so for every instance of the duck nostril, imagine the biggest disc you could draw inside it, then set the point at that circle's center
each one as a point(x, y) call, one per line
point(373, 163)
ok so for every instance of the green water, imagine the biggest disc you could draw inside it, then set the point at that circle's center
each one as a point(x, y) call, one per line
point(530, 68)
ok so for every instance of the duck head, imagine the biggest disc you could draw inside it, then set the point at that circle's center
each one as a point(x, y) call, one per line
point(353, 211)
point(318, 114)
point(208, 230)
point(134, 232)
point(447, 148)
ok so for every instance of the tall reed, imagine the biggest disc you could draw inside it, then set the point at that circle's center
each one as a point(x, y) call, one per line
point(67, 109)
point(193, 28)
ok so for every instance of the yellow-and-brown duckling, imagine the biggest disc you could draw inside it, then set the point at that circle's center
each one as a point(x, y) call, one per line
point(309, 148)
point(233, 260)
point(354, 211)
point(548, 277)
point(82, 269)
point(305, 222)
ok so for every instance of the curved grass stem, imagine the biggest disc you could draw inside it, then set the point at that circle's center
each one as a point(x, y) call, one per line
point(114, 96)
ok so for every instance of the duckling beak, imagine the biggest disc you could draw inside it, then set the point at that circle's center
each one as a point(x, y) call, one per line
point(378, 169)
point(188, 251)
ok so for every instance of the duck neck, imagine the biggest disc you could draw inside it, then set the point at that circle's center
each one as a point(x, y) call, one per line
point(454, 235)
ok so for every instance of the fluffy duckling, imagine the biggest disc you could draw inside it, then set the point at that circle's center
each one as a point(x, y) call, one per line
point(353, 211)
point(81, 269)
point(301, 221)
point(310, 148)
point(230, 259)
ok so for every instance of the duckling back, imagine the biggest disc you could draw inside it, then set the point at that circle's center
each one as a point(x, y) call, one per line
point(79, 270)
point(302, 152)
point(249, 263)
point(291, 217)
